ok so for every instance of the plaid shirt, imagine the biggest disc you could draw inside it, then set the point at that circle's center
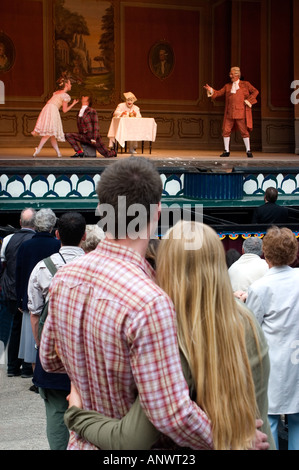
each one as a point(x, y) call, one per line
point(115, 332)
point(89, 123)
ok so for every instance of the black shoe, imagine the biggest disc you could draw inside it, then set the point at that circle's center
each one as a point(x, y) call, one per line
point(14, 374)
point(225, 154)
point(78, 155)
point(34, 389)
point(26, 375)
point(249, 154)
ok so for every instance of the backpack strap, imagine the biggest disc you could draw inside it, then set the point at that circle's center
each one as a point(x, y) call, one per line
point(53, 269)
point(50, 265)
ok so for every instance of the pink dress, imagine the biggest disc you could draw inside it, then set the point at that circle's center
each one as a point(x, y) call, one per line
point(49, 120)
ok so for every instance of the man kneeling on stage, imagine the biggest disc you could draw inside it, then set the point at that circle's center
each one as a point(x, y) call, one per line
point(88, 132)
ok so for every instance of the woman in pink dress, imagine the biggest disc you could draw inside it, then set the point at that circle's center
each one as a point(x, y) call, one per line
point(49, 125)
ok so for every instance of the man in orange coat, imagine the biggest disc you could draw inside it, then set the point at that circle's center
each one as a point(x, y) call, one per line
point(239, 98)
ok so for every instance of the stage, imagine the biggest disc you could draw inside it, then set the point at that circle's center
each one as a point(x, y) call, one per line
point(205, 160)
point(227, 189)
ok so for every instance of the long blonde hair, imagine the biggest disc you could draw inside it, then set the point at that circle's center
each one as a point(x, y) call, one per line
point(211, 330)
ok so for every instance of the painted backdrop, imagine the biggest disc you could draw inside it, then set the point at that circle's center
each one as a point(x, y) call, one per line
point(84, 37)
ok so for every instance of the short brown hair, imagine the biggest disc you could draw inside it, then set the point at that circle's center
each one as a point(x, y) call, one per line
point(135, 179)
point(271, 194)
point(89, 96)
point(280, 246)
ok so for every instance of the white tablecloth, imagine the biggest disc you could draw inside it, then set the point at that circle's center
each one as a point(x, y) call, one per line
point(132, 129)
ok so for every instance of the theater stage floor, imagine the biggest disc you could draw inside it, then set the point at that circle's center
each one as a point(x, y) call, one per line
point(201, 159)
point(19, 161)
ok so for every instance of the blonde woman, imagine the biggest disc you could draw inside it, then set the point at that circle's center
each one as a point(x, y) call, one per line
point(48, 124)
point(223, 350)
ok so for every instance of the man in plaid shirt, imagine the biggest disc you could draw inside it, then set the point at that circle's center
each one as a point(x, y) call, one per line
point(112, 329)
point(88, 131)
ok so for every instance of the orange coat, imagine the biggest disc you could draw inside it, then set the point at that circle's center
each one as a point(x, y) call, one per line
point(235, 108)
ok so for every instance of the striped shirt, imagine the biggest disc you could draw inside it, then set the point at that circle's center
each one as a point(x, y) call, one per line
point(115, 333)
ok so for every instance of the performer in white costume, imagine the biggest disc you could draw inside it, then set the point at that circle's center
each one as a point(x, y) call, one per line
point(128, 109)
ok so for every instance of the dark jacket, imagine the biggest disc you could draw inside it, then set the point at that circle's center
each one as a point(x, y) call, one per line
point(41, 245)
point(270, 213)
point(8, 279)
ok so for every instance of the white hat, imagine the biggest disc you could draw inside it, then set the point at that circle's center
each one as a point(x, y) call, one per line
point(130, 96)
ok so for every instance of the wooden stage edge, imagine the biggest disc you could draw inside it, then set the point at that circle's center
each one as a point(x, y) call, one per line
point(205, 160)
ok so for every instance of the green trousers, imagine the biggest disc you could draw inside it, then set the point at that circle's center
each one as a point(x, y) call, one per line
point(56, 405)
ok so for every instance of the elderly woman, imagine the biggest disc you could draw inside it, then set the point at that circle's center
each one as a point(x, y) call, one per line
point(94, 234)
point(274, 299)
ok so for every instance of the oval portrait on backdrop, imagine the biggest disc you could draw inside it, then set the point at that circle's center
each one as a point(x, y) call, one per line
point(161, 59)
point(7, 53)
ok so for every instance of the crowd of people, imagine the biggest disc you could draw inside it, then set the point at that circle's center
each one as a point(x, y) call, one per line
point(25, 281)
point(152, 344)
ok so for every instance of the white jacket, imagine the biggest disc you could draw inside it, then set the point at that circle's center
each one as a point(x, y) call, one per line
point(274, 299)
point(247, 269)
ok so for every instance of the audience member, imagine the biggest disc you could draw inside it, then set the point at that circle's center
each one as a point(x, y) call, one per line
point(94, 234)
point(128, 109)
point(274, 299)
point(222, 348)
point(231, 256)
point(41, 245)
point(54, 388)
point(270, 212)
point(111, 328)
point(249, 267)
point(11, 316)
point(151, 252)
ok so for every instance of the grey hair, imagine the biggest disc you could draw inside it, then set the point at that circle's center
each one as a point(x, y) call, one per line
point(94, 234)
point(45, 220)
point(253, 245)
